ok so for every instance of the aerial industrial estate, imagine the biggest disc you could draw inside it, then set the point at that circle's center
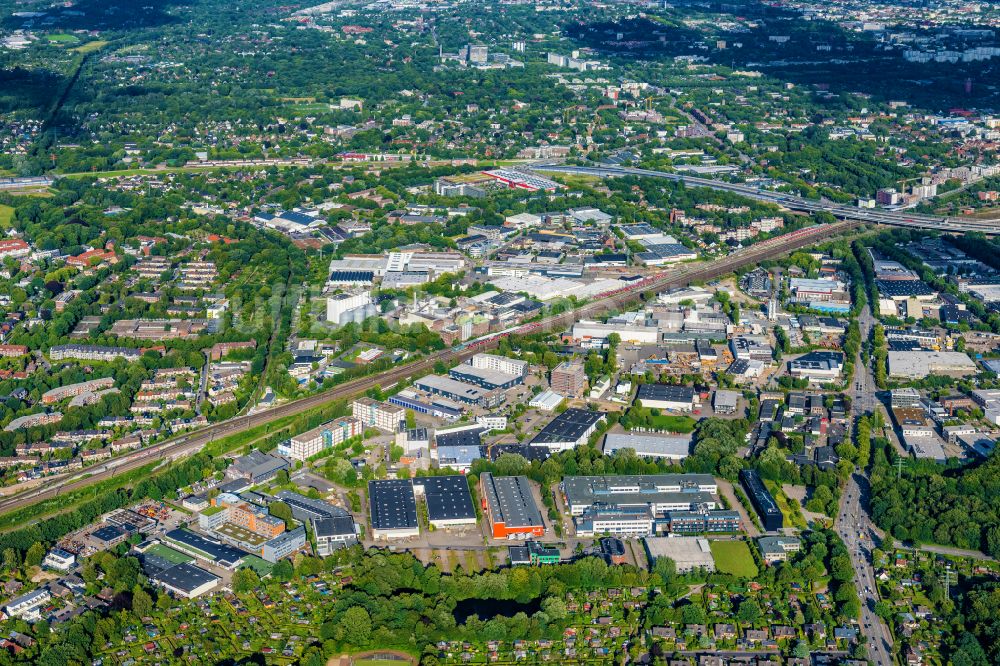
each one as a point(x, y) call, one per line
point(520, 332)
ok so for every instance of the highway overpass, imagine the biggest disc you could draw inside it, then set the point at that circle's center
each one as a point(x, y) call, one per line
point(790, 201)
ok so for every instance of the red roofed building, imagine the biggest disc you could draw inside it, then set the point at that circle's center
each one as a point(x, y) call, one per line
point(92, 258)
point(13, 351)
point(14, 247)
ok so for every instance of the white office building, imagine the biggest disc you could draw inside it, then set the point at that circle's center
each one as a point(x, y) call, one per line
point(509, 366)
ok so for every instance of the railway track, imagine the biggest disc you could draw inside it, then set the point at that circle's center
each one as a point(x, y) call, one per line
point(190, 443)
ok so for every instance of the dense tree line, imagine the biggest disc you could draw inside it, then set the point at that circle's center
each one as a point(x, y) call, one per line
point(924, 502)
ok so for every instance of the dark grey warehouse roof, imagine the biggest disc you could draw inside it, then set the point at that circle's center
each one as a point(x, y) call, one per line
point(393, 504)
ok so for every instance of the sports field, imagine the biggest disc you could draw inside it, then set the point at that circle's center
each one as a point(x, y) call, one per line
point(258, 564)
point(63, 38)
point(169, 554)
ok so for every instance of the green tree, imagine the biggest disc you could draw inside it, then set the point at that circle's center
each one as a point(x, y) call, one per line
point(357, 624)
point(142, 603)
point(35, 555)
point(245, 580)
point(749, 612)
point(282, 511)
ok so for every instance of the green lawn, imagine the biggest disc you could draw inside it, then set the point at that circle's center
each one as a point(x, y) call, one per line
point(682, 424)
point(6, 216)
point(733, 557)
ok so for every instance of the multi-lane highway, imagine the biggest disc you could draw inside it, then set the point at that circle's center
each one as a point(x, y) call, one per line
point(790, 201)
point(615, 301)
point(854, 528)
point(853, 523)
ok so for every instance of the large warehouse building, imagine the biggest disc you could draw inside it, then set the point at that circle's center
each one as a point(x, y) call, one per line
point(393, 509)
point(569, 430)
point(659, 492)
point(667, 396)
point(509, 507)
point(449, 500)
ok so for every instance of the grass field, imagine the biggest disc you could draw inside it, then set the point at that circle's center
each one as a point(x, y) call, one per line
point(577, 180)
point(682, 424)
point(6, 216)
point(733, 557)
point(90, 47)
point(63, 38)
point(169, 554)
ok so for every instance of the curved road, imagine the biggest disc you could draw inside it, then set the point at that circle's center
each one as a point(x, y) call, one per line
point(192, 442)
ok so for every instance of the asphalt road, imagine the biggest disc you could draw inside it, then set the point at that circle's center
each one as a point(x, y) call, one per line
point(854, 528)
point(853, 523)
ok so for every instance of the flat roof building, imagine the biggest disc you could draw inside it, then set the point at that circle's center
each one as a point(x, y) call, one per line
point(307, 444)
point(185, 580)
point(817, 366)
point(770, 515)
point(725, 402)
point(448, 498)
point(568, 430)
point(331, 534)
point(375, 414)
point(774, 549)
point(486, 378)
point(206, 549)
point(256, 467)
point(510, 366)
point(920, 364)
point(671, 447)
point(688, 553)
point(510, 507)
point(667, 396)
point(284, 544)
point(532, 553)
point(626, 521)
point(659, 492)
point(546, 401)
point(305, 508)
point(569, 379)
point(59, 559)
point(393, 509)
point(591, 330)
point(459, 391)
